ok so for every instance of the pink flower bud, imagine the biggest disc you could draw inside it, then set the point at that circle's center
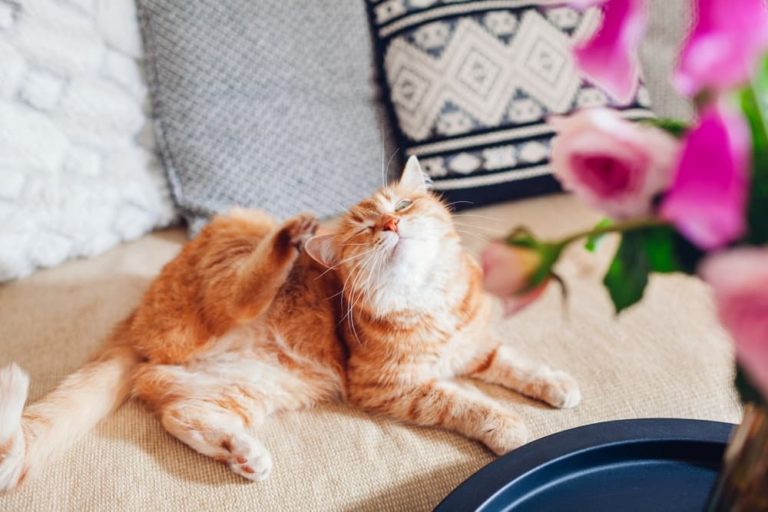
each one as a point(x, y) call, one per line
point(508, 271)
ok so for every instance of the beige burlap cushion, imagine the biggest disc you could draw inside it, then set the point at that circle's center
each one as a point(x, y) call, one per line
point(666, 358)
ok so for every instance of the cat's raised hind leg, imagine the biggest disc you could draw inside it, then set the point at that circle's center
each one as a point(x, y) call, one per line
point(212, 415)
point(220, 434)
point(265, 271)
point(505, 367)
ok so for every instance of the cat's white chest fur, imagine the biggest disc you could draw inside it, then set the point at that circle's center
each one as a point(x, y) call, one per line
point(423, 277)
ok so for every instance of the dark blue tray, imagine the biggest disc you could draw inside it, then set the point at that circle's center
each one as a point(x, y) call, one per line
point(629, 465)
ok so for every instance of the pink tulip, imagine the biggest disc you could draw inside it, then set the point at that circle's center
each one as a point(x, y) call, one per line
point(708, 199)
point(507, 273)
point(609, 58)
point(614, 165)
point(585, 4)
point(739, 280)
point(728, 38)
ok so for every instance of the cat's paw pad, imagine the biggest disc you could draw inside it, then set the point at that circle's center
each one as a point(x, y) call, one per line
point(562, 391)
point(299, 229)
point(248, 458)
point(503, 434)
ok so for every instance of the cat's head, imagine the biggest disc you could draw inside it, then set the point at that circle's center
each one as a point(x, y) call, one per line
point(396, 234)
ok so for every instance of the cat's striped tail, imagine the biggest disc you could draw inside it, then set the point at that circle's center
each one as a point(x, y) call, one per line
point(30, 437)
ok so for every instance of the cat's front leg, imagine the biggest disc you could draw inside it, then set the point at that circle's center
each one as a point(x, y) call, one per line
point(504, 366)
point(444, 404)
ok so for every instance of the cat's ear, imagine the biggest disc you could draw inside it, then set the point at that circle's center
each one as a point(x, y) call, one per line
point(320, 248)
point(413, 178)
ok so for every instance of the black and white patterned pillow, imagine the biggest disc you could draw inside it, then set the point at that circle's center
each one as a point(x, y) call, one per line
point(471, 83)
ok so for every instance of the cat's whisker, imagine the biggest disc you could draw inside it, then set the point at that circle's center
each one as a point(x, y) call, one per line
point(464, 230)
point(476, 215)
point(448, 205)
point(383, 169)
point(478, 236)
point(471, 230)
point(457, 220)
point(353, 275)
point(386, 180)
point(487, 231)
point(346, 260)
point(355, 295)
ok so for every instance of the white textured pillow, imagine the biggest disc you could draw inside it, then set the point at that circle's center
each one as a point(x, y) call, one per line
point(78, 172)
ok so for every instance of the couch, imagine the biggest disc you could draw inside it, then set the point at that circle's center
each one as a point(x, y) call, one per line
point(666, 357)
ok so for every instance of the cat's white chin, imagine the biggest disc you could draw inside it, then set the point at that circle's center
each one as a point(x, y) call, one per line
point(401, 246)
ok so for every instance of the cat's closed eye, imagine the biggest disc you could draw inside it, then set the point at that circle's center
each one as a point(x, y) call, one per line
point(403, 204)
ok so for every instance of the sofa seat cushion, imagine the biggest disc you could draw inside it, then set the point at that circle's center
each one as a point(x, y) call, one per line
point(665, 358)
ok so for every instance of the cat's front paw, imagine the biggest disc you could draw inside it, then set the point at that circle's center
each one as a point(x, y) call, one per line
point(502, 434)
point(561, 390)
point(297, 230)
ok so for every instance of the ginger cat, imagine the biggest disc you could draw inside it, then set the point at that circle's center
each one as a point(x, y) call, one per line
point(252, 318)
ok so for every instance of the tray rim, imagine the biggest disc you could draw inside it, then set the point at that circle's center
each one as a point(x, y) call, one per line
point(478, 491)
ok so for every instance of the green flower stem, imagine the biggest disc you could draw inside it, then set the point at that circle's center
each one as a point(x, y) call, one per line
point(620, 227)
point(549, 252)
point(761, 98)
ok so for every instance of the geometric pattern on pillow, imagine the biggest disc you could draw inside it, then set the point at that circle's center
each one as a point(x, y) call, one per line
point(470, 86)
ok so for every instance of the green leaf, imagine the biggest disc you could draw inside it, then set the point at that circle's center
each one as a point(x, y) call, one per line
point(674, 127)
point(655, 249)
point(688, 255)
point(593, 240)
point(754, 103)
point(747, 391)
point(660, 250)
point(627, 275)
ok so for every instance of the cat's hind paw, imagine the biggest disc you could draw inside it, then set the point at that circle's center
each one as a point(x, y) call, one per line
point(299, 229)
point(248, 458)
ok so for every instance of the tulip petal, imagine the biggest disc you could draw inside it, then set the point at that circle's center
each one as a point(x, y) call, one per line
point(609, 58)
point(516, 303)
point(707, 202)
point(507, 270)
point(739, 280)
point(722, 50)
point(585, 4)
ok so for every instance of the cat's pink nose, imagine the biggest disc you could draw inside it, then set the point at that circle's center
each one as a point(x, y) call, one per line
point(390, 224)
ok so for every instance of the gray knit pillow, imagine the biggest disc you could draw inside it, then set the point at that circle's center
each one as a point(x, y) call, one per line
point(267, 104)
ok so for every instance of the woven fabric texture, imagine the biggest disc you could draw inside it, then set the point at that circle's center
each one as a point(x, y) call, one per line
point(668, 22)
point(664, 358)
point(471, 84)
point(267, 104)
